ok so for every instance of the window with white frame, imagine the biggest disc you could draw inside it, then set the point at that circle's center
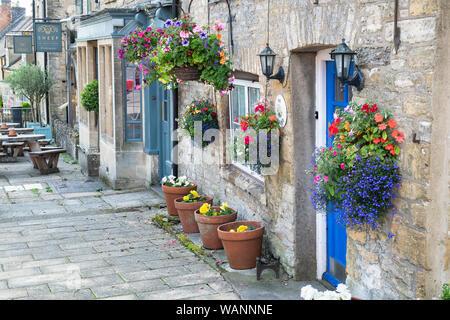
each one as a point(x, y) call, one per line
point(242, 101)
point(133, 106)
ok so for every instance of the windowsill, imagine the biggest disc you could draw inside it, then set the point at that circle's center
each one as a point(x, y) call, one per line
point(258, 178)
point(245, 182)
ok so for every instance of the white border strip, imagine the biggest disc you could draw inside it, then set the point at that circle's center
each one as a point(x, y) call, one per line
point(321, 139)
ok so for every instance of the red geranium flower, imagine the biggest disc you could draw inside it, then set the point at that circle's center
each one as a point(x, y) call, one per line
point(213, 114)
point(392, 123)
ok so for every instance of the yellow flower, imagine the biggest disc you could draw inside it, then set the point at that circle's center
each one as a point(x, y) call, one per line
point(232, 230)
point(224, 206)
point(214, 213)
point(186, 198)
point(204, 208)
point(194, 193)
point(242, 228)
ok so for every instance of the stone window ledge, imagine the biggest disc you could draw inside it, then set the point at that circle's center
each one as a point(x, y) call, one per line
point(244, 181)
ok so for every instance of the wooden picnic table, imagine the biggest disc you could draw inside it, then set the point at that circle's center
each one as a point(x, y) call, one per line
point(11, 124)
point(30, 139)
point(44, 159)
point(18, 130)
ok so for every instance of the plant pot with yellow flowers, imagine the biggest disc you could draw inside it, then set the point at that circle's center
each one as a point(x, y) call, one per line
point(209, 218)
point(242, 241)
point(186, 206)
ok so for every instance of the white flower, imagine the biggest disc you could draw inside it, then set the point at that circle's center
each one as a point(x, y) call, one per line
point(164, 180)
point(308, 292)
point(341, 288)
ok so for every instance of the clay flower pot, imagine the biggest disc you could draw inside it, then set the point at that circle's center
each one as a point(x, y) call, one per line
point(12, 133)
point(172, 193)
point(208, 227)
point(242, 248)
point(4, 126)
point(186, 212)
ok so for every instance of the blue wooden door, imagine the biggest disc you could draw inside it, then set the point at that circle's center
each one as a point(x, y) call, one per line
point(159, 115)
point(166, 146)
point(336, 233)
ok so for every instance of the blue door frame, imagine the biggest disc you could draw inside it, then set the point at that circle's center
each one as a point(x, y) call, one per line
point(336, 234)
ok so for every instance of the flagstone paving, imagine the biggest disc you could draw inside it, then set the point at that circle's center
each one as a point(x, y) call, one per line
point(67, 236)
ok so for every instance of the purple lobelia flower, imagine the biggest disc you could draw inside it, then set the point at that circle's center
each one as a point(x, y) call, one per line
point(203, 35)
point(185, 43)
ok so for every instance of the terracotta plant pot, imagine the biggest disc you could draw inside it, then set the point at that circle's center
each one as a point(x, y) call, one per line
point(208, 227)
point(186, 212)
point(242, 248)
point(12, 133)
point(172, 193)
point(4, 126)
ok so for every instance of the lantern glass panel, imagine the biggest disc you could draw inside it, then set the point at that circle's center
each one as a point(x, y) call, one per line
point(346, 65)
point(338, 60)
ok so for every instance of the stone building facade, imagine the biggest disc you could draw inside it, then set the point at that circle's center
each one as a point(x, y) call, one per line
point(412, 82)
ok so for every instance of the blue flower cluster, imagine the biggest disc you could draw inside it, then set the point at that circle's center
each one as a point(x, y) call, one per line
point(368, 189)
point(364, 193)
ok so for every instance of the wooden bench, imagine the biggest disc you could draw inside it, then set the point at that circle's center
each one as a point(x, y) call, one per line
point(14, 149)
point(44, 142)
point(46, 160)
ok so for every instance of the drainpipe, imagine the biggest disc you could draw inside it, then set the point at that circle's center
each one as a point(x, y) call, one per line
point(175, 94)
point(47, 111)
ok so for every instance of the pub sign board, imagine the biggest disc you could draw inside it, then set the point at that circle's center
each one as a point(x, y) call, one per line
point(48, 36)
point(23, 44)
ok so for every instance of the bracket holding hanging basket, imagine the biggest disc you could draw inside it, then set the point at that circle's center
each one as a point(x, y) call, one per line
point(187, 73)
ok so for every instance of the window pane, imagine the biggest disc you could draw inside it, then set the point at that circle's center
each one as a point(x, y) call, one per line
point(133, 103)
point(237, 103)
point(253, 96)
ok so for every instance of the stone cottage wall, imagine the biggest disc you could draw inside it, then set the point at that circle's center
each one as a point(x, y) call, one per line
point(404, 82)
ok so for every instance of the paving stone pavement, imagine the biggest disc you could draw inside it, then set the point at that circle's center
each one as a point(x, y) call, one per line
point(91, 244)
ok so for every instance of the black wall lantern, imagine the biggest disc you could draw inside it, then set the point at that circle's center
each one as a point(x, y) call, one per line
point(343, 58)
point(267, 57)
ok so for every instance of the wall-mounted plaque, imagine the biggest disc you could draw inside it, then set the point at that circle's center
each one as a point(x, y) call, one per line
point(280, 110)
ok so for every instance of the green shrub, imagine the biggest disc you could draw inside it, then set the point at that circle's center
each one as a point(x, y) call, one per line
point(26, 105)
point(446, 291)
point(89, 96)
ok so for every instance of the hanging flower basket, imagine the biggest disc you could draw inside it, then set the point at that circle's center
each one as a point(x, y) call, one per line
point(181, 51)
point(187, 73)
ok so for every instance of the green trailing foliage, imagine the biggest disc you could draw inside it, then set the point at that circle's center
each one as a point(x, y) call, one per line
point(89, 96)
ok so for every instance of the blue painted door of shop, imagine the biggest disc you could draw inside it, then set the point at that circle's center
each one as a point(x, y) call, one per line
point(336, 233)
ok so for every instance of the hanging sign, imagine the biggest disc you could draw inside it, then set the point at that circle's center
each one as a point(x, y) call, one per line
point(280, 110)
point(23, 44)
point(48, 36)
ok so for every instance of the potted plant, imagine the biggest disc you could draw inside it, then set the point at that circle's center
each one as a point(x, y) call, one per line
point(242, 241)
point(202, 111)
point(181, 51)
point(174, 188)
point(249, 142)
point(209, 218)
point(186, 206)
